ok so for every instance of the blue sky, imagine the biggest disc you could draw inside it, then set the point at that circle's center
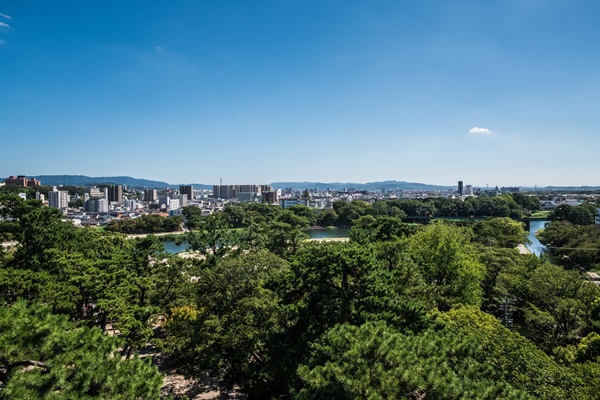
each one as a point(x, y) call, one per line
point(490, 92)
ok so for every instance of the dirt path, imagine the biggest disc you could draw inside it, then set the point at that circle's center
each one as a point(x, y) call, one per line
point(179, 387)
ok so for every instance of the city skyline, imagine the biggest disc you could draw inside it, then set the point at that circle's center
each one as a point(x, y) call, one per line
point(500, 93)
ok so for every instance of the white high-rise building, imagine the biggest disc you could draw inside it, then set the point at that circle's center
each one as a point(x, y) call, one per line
point(58, 198)
point(173, 204)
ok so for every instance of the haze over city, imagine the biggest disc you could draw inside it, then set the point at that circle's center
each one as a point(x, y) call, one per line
point(496, 92)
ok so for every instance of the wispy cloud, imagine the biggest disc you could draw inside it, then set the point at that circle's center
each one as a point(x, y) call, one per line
point(5, 16)
point(2, 42)
point(480, 131)
point(3, 25)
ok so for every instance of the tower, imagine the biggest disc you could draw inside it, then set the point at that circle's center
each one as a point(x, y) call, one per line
point(187, 189)
point(115, 193)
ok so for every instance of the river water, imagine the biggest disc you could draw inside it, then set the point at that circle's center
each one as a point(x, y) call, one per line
point(171, 247)
point(327, 233)
point(536, 247)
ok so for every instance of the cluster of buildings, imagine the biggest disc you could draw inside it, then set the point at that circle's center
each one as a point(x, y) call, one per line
point(98, 205)
point(22, 180)
point(468, 190)
point(115, 202)
point(246, 193)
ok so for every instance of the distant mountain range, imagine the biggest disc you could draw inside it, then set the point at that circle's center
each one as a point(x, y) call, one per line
point(369, 186)
point(82, 180)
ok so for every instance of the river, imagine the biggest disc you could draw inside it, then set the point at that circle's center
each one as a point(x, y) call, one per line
point(536, 247)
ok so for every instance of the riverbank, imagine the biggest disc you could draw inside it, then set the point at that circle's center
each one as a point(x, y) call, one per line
point(523, 250)
point(143, 235)
point(329, 239)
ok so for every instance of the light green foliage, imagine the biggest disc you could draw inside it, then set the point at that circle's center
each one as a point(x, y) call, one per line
point(558, 306)
point(501, 265)
point(502, 232)
point(44, 356)
point(448, 264)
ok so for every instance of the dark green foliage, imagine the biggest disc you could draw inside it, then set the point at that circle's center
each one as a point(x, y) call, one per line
point(376, 362)
point(44, 356)
point(582, 214)
point(512, 358)
point(575, 246)
point(151, 223)
point(305, 212)
point(212, 237)
point(527, 202)
point(381, 316)
point(236, 312)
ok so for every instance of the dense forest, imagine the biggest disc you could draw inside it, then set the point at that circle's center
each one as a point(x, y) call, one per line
point(443, 310)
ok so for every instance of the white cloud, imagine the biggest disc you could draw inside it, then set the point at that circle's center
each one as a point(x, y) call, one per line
point(5, 16)
point(480, 131)
point(3, 25)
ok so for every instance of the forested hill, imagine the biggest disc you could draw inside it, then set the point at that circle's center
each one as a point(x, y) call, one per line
point(369, 186)
point(82, 180)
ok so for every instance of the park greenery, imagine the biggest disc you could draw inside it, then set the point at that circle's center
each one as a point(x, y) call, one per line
point(149, 223)
point(572, 237)
point(403, 310)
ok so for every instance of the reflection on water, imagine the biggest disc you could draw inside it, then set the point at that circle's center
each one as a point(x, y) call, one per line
point(536, 247)
point(327, 233)
point(171, 247)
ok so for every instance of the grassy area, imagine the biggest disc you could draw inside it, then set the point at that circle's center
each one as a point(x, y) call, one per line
point(540, 214)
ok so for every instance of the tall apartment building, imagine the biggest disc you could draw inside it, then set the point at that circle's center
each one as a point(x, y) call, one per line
point(150, 195)
point(460, 188)
point(21, 180)
point(225, 191)
point(96, 205)
point(33, 182)
point(96, 193)
point(187, 189)
point(115, 193)
point(39, 196)
point(249, 189)
point(266, 188)
point(270, 197)
point(234, 191)
point(58, 198)
point(183, 199)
